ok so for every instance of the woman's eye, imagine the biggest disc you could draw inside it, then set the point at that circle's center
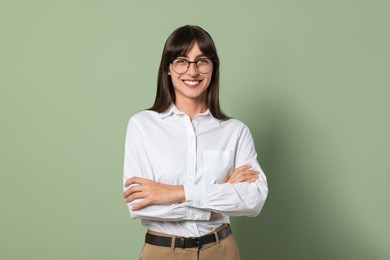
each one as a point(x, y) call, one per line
point(181, 61)
point(203, 61)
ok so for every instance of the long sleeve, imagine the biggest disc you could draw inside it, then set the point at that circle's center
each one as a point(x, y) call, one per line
point(137, 163)
point(238, 199)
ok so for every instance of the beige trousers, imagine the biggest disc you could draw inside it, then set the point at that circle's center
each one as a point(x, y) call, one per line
point(225, 249)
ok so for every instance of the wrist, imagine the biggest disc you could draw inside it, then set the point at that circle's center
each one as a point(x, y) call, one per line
point(180, 194)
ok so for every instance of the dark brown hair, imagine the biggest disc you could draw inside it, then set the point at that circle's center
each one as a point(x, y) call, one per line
point(179, 43)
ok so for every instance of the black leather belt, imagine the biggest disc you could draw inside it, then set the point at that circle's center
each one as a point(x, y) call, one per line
point(186, 242)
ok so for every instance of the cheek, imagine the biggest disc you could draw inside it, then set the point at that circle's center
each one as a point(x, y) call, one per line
point(175, 81)
point(209, 80)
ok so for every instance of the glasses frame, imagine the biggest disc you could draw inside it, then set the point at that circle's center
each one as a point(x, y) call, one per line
point(195, 63)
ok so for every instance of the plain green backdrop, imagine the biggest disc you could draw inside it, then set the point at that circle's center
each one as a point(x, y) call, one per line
point(310, 79)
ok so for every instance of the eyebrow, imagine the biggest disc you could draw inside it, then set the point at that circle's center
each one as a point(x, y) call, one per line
point(197, 57)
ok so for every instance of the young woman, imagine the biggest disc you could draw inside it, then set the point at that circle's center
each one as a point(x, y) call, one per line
point(188, 166)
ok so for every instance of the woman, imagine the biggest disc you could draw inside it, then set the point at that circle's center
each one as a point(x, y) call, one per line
point(188, 166)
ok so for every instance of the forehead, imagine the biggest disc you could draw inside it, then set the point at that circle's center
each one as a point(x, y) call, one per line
point(193, 51)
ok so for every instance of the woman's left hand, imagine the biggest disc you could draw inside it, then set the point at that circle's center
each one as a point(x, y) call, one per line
point(243, 174)
point(152, 193)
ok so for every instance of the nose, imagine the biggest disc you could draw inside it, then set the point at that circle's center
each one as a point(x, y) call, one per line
point(192, 69)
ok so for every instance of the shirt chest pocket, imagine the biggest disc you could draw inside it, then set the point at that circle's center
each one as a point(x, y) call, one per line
point(217, 165)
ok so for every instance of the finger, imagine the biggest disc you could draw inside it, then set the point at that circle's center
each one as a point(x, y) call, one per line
point(251, 173)
point(245, 176)
point(135, 196)
point(134, 180)
point(230, 180)
point(244, 173)
point(239, 170)
point(131, 190)
point(243, 167)
point(140, 205)
point(252, 180)
point(235, 179)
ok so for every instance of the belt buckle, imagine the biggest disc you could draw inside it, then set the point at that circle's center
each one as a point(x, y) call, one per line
point(197, 242)
point(186, 242)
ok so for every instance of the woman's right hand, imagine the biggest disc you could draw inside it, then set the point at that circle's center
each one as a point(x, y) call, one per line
point(243, 174)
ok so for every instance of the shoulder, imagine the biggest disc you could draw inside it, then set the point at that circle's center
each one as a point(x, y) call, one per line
point(233, 123)
point(144, 119)
point(144, 116)
point(237, 128)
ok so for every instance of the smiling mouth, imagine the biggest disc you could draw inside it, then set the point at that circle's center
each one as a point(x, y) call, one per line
point(191, 83)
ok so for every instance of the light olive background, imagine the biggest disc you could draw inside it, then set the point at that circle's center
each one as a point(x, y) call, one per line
point(310, 79)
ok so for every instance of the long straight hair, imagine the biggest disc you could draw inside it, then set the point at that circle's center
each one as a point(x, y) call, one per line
point(179, 43)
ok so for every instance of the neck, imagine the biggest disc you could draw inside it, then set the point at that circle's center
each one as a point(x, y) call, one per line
point(191, 107)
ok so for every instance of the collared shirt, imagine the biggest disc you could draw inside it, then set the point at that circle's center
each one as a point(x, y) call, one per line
point(200, 154)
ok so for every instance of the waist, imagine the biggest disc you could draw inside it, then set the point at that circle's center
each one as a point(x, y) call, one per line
point(166, 240)
point(186, 228)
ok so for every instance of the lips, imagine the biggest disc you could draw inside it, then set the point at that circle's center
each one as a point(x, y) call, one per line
point(192, 83)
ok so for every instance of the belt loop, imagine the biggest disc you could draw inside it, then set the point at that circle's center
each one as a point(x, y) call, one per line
point(173, 241)
point(217, 238)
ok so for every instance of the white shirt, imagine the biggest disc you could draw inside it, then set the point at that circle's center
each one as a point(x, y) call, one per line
point(200, 154)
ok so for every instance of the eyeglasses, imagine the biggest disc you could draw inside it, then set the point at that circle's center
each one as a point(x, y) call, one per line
point(181, 65)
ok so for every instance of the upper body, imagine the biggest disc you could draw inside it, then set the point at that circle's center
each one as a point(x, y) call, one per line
point(188, 166)
point(200, 154)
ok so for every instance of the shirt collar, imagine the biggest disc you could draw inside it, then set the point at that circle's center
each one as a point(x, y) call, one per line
point(170, 111)
point(174, 110)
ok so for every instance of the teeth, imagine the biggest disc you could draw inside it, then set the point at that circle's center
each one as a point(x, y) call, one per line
point(191, 82)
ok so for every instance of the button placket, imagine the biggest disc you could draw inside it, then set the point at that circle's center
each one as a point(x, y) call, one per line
point(191, 158)
point(191, 152)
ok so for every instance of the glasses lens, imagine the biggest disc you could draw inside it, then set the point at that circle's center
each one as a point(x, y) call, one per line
point(204, 65)
point(180, 65)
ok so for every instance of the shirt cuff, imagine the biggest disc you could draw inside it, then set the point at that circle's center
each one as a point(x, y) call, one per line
point(197, 214)
point(196, 195)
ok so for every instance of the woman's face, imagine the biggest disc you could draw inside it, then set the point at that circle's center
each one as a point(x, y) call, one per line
point(192, 84)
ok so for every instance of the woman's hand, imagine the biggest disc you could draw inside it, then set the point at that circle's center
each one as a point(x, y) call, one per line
point(152, 193)
point(243, 174)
